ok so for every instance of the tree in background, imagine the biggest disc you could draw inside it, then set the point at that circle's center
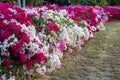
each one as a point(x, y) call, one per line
point(8, 1)
point(90, 2)
point(66, 2)
point(28, 2)
point(34, 2)
point(114, 2)
point(96, 2)
point(60, 2)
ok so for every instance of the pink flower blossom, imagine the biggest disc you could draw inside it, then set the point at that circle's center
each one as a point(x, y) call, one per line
point(53, 27)
point(4, 34)
point(24, 37)
point(62, 46)
point(16, 48)
point(14, 28)
point(59, 65)
point(12, 78)
point(22, 58)
point(3, 77)
point(40, 57)
point(8, 63)
point(29, 63)
point(51, 46)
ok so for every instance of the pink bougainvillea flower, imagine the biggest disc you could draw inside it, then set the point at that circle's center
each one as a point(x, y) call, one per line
point(40, 57)
point(53, 7)
point(24, 37)
point(14, 28)
point(75, 18)
point(22, 58)
point(62, 46)
point(17, 48)
point(5, 54)
point(8, 63)
point(53, 27)
point(4, 34)
point(3, 77)
point(37, 58)
point(29, 63)
point(59, 65)
point(39, 29)
point(40, 45)
point(51, 46)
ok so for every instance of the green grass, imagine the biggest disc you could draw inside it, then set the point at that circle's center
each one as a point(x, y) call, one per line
point(99, 59)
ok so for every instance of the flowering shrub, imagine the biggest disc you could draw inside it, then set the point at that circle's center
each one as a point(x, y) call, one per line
point(114, 12)
point(34, 38)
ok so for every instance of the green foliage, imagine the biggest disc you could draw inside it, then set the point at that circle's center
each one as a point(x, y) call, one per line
point(96, 2)
point(62, 2)
point(90, 2)
point(39, 21)
point(34, 2)
point(114, 2)
point(8, 1)
point(18, 71)
point(65, 2)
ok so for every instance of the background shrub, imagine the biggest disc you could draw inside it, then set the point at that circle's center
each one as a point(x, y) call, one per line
point(65, 2)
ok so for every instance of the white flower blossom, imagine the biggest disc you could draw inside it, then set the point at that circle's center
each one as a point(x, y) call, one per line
point(41, 70)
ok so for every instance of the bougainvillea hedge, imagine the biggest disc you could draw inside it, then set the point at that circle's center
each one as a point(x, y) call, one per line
point(33, 39)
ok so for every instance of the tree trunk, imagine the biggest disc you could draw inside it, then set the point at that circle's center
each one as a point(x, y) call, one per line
point(19, 2)
point(23, 3)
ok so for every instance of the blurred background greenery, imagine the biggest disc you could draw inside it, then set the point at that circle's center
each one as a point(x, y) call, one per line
point(96, 2)
point(34, 2)
point(8, 1)
point(66, 2)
